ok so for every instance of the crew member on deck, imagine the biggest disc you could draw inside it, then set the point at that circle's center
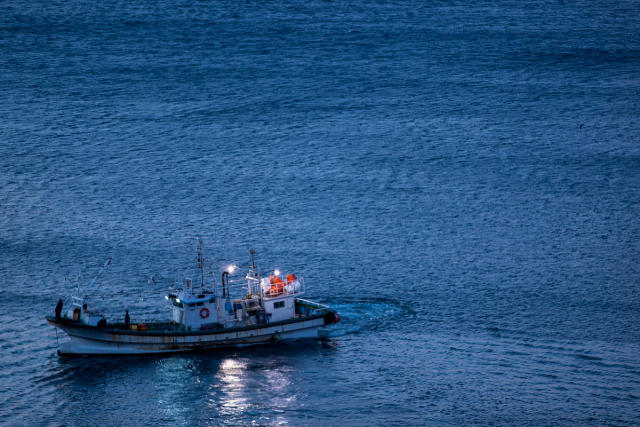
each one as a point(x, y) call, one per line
point(58, 310)
point(127, 320)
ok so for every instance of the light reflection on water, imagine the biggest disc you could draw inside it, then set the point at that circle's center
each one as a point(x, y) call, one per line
point(246, 388)
point(231, 398)
point(172, 380)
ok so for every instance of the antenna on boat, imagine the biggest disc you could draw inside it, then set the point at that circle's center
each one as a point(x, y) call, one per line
point(200, 264)
point(201, 261)
point(253, 263)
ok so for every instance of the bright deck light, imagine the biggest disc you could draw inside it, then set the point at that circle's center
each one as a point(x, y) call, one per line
point(277, 272)
point(166, 296)
point(177, 299)
point(231, 269)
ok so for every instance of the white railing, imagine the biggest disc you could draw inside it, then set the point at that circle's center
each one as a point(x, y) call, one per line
point(250, 285)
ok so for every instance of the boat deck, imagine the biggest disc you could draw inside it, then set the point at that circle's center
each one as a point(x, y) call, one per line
point(169, 328)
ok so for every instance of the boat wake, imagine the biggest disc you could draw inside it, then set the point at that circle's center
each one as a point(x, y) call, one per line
point(360, 316)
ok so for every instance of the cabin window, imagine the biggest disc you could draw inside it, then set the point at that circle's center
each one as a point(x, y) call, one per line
point(193, 304)
point(200, 304)
point(279, 304)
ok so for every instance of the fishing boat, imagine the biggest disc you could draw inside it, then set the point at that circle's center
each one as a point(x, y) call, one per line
point(265, 307)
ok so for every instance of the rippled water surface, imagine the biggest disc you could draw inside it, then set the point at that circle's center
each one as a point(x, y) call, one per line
point(461, 180)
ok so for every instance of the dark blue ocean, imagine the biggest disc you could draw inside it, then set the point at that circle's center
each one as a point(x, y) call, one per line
point(460, 179)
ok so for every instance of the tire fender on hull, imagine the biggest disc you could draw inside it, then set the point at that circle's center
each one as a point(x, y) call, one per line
point(330, 318)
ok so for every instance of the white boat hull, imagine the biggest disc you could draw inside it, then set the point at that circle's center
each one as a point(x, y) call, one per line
point(93, 341)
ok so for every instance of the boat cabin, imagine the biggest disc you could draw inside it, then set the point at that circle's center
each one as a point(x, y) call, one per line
point(195, 310)
point(279, 296)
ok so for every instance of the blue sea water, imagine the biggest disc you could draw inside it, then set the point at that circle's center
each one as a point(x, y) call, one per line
point(460, 179)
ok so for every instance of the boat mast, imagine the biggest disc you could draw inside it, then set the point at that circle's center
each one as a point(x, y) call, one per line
point(201, 262)
point(253, 269)
point(96, 278)
point(253, 262)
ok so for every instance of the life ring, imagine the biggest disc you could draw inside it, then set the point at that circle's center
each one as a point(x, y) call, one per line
point(204, 313)
point(337, 319)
